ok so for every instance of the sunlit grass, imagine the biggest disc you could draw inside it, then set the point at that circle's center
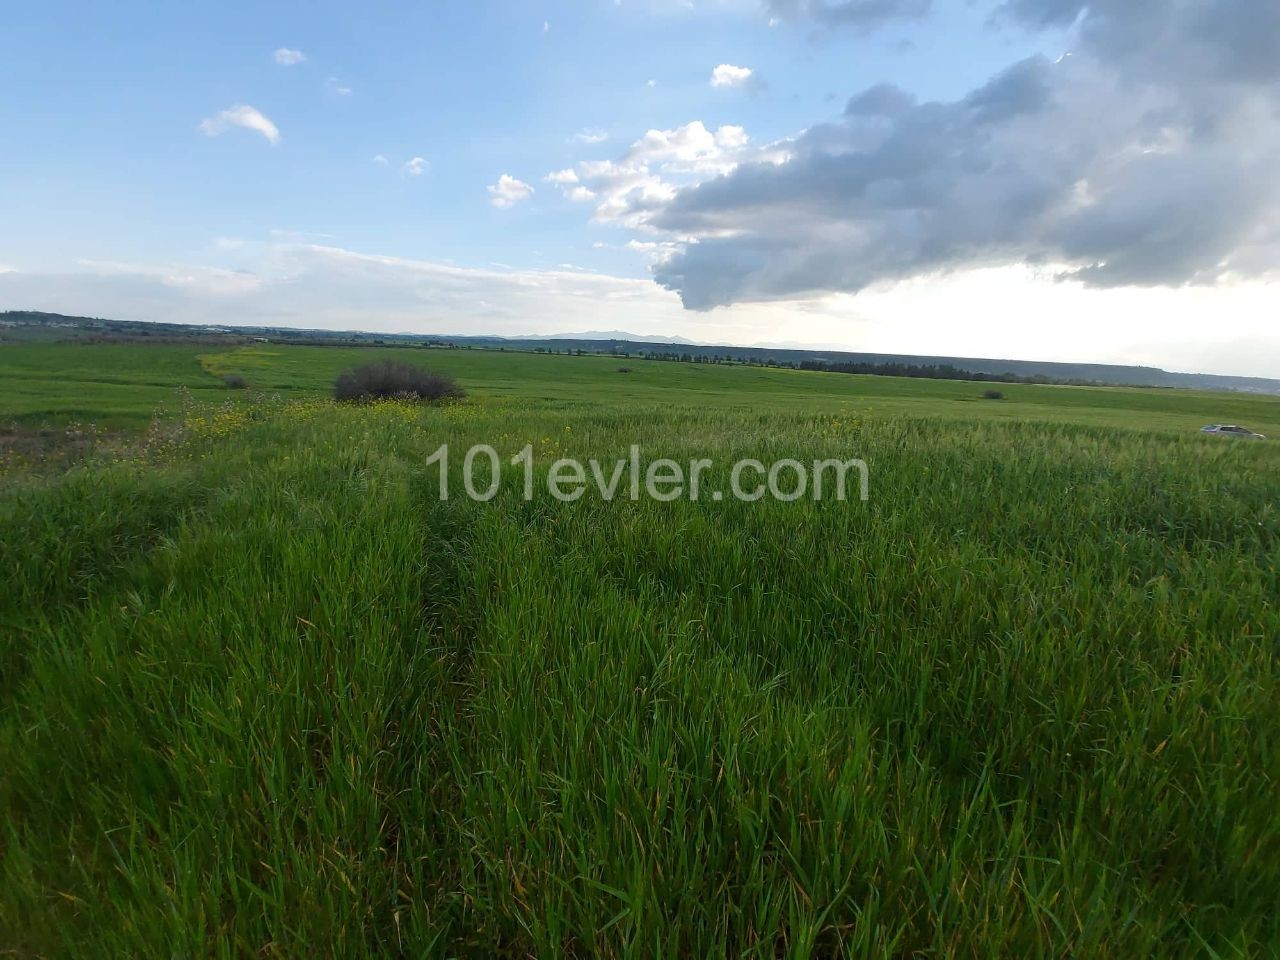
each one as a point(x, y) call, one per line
point(264, 694)
point(120, 385)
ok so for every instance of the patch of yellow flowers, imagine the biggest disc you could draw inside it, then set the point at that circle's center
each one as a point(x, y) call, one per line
point(216, 424)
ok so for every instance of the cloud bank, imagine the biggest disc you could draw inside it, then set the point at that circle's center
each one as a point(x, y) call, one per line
point(297, 280)
point(1146, 157)
point(299, 284)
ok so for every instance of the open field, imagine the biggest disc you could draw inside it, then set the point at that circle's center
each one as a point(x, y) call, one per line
point(121, 384)
point(263, 692)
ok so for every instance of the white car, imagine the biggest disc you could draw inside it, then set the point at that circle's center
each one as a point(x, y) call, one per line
point(1228, 430)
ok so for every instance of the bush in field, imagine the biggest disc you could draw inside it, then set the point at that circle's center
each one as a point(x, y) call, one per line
point(992, 395)
point(233, 381)
point(380, 381)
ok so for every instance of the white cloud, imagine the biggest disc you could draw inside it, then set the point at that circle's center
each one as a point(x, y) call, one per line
point(508, 191)
point(250, 118)
point(415, 167)
point(727, 75)
point(337, 87)
point(655, 251)
point(591, 136)
point(692, 148)
point(645, 178)
point(380, 160)
point(288, 57)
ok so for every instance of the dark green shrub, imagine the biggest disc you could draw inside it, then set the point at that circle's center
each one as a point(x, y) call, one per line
point(389, 378)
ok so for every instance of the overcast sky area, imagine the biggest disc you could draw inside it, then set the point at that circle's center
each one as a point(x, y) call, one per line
point(1036, 179)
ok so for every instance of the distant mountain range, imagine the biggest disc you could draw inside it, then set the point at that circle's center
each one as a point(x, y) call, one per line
point(19, 325)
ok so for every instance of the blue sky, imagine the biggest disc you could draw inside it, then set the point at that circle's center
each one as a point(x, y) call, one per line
point(386, 167)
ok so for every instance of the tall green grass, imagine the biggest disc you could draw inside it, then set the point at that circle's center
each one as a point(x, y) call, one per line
point(264, 693)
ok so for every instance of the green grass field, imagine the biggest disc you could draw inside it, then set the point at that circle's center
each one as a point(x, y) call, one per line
point(263, 693)
point(121, 385)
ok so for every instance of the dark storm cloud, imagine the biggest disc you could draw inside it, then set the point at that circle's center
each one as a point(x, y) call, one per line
point(1239, 38)
point(1147, 157)
point(882, 100)
point(1230, 39)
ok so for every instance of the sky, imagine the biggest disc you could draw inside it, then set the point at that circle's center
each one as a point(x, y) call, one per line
point(1037, 179)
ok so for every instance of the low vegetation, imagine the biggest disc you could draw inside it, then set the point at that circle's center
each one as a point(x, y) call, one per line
point(264, 693)
point(390, 379)
point(935, 371)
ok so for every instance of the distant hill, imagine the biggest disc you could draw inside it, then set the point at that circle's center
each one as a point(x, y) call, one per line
point(21, 324)
point(595, 335)
point(1097, 373)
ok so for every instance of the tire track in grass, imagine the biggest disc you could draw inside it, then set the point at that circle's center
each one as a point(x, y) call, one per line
point(246, 745)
